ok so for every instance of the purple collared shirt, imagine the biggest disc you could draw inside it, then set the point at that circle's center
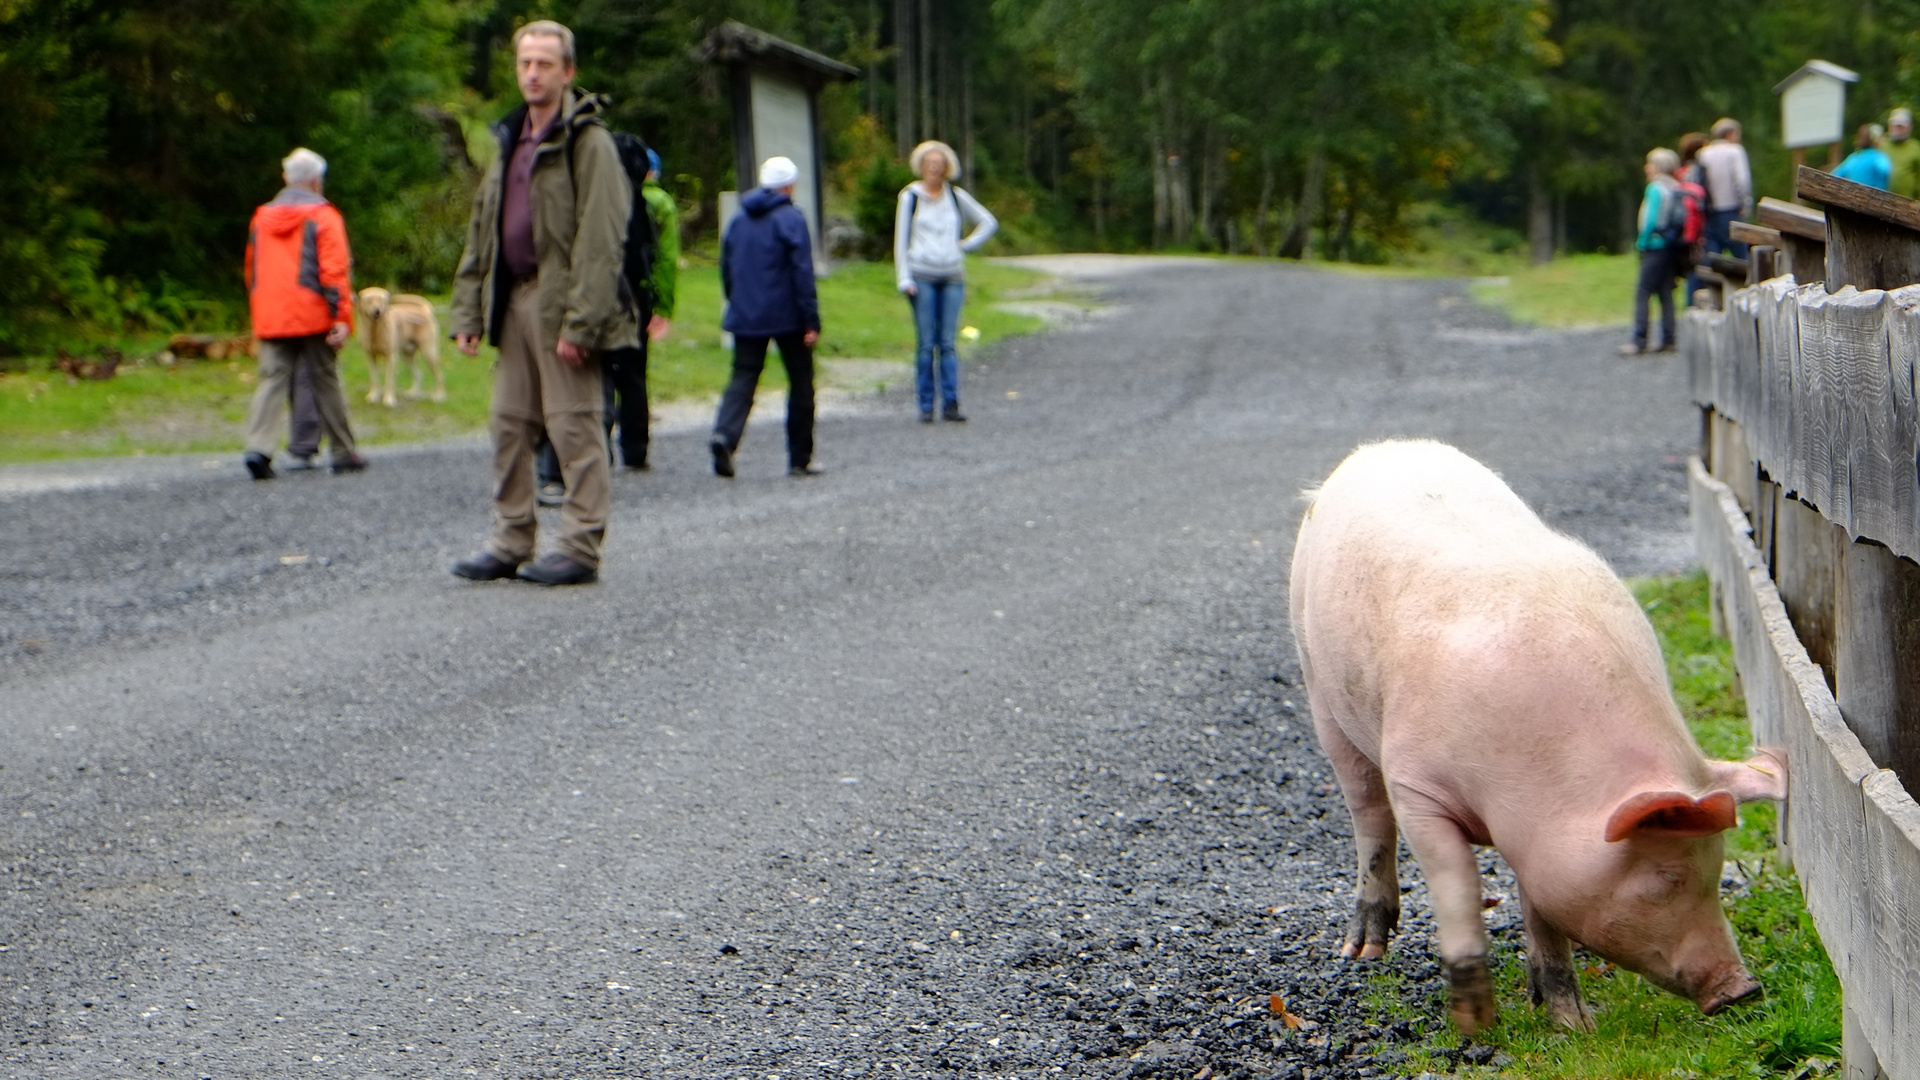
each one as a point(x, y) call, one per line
point(516, 205)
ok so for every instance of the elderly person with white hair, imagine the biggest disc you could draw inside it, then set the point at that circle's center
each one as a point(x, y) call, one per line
point(300, 295)
point(930, 244)
point(1661, 241)
point(1729, 184)
point(1903, 154)
point(766, 273)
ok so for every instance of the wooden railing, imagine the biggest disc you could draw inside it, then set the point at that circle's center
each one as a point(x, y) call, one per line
point(1806, 512)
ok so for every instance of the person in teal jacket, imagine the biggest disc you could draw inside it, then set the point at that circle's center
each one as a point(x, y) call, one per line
point(1659, 242)
point(1868, 164)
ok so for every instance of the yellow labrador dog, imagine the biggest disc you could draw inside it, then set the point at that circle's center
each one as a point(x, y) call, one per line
point(395, 326)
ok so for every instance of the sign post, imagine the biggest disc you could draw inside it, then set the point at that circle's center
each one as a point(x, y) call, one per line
point(1813, 109)
point(776, 112)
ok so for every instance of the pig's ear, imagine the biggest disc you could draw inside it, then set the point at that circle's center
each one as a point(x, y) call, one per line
point(1672, 813)
point(1763, 776)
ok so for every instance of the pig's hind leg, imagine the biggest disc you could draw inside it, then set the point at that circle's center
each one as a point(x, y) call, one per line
point(1550, 976)
point(1376, 909)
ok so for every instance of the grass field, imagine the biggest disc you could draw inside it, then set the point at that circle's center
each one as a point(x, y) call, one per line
point(1794, 1031)
point(201, 406)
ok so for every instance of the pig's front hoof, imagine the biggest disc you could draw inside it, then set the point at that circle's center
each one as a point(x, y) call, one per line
point(1373, 924)
point(1737, 990)
point(1571, 1015)
point(1472, 992)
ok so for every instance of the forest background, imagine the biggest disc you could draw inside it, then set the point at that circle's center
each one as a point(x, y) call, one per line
point(140, 134)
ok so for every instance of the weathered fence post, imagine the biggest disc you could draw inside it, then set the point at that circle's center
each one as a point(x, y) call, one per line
point(1803, 238)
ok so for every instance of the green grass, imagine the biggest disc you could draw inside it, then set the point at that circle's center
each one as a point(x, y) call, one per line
point(1643, 1031)
point(1575, 291)
point(200, 406)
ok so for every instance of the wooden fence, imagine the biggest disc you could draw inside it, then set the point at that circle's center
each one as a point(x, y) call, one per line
point(1806, 513)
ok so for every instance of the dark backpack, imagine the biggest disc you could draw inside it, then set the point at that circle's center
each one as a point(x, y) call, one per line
point(643, 241)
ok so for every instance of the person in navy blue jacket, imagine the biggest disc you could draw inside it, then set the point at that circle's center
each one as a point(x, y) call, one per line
point(766, 272)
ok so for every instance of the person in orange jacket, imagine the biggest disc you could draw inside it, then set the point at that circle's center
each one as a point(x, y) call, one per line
point(300, 293)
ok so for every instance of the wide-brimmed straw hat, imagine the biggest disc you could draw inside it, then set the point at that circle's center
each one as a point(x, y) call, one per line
point(920, 154)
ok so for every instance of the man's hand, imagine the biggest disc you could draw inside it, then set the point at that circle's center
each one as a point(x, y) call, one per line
point(570, 354)
point(811, 337)
point(468, 343)
point(658, 328)
point(337, 336)
point(910, 289)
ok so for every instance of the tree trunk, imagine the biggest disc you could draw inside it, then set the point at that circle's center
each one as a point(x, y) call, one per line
point(1099, 211)
point(1162, 200)
point(1539, 217)
point(925, 29)
point(1266, 203)
point(905, 94)
point(1207, 174)
point(966, 121)
point(1295, 244)
point(1560, 224)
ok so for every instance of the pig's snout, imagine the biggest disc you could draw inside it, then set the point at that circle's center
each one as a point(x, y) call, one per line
point(1737, 987)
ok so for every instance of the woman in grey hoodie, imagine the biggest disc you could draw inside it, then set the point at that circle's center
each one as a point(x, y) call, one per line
point(929, 257)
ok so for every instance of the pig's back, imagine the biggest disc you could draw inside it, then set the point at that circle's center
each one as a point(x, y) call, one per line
point(1415, 562)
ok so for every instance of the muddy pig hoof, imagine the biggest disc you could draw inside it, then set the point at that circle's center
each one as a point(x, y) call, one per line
point(1370, 929)
point(1472, 992)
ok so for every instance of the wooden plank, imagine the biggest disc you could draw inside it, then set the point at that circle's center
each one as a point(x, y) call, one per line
point(1792, 220)
point(1877, 655)
point(1761, 261)
point(1803, 571)
point(1888, 1007)
point(1778, 326)
point(1835, 192)
point(1746, 232)
point(1903, 433)
point(1857, 405)
point(1691, 327)
point(1816, 410)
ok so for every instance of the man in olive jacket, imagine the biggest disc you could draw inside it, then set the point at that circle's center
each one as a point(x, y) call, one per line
point(542, 279)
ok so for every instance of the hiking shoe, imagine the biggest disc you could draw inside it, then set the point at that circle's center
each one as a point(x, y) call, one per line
point(722, 460)
point(552, 494)
point(556, 569)
point(259, 466)
point(951, 414)
point(926, 416)
point(808, 469)
point(484, 567)
point(352, 463)
point(1632, 350)
point(299, 463)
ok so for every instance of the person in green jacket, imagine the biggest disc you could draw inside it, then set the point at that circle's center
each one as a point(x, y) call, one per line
point(628, 370)
point(1903, 151)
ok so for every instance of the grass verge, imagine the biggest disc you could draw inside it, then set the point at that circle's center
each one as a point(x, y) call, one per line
point(1570, 292)
point(1794, 1031)
point(198, 406)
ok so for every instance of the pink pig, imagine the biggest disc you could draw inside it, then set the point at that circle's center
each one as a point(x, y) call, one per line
point(1477, 678)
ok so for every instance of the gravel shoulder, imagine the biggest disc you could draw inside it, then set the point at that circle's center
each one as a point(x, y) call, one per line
point(982, 754)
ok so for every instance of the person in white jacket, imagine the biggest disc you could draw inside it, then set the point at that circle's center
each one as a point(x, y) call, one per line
point(930, 245)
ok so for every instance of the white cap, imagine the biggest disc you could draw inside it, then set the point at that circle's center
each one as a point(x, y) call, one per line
point(1902, 117)
point(778, 172)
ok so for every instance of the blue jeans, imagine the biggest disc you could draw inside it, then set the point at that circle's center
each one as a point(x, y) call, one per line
point(936, 319)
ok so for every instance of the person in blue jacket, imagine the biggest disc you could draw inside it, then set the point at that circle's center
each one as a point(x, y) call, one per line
point(1660, 242)
point(1869, 164)
point(766, 272)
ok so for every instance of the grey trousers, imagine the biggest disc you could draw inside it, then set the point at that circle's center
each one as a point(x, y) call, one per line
point(280, 359)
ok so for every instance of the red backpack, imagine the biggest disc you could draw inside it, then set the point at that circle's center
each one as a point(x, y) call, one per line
point(1686, 220)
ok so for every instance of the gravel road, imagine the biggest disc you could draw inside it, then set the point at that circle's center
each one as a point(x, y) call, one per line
point(980, 755)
